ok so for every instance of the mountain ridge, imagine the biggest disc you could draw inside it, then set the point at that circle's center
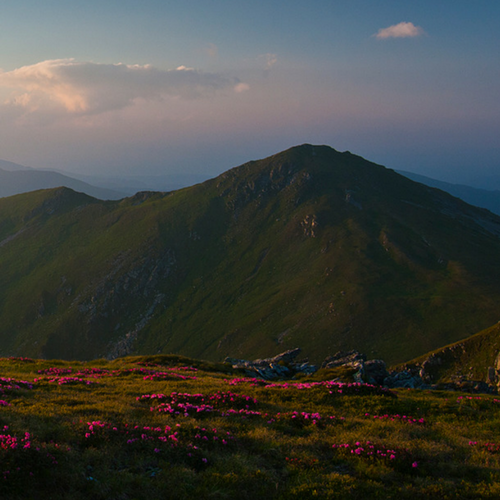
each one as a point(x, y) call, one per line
point(308, 248)
point(16, 179)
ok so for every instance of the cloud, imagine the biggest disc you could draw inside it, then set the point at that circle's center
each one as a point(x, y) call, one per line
point(85, 88)
point(401, 30)
point(241, 87)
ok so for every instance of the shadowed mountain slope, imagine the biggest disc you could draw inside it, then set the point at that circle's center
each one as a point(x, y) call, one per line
point(472, 358)
point(309, 248)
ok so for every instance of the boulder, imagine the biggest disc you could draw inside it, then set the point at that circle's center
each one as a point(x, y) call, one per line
point(375, 371)
point(407, 379)
point(277, 367)
point(351, 358)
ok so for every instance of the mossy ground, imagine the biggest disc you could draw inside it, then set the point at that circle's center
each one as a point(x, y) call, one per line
point(89, 436)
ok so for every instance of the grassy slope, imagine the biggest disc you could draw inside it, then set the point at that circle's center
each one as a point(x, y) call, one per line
point(342, 288)
point(91, 438)
point(469, 358)
point(309, 248)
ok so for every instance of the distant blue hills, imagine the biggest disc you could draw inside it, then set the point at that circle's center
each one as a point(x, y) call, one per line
point(16, 179)
point(482, 198)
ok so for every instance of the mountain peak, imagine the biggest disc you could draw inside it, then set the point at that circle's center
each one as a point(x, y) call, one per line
point(309, 247)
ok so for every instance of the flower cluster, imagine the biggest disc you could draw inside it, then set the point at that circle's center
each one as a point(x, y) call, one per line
point(489, 447)
point(21, 457)
point(186, 404)
point(373, 451)
point(303, 418)
point(10, 384)
point(9, 442)
point(55, 371)
point(352, 388)
point(20, 359)
point(247, 380)
point(67, 380)
point(176, 443)
point(465, 398)
point(398, 418)
point(227, 404)
point(301, 463)
point(170, 374)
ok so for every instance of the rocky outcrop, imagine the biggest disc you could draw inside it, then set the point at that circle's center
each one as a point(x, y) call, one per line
point(280, 366)
point(493, 373)
point(353, 359)
point(374, 371)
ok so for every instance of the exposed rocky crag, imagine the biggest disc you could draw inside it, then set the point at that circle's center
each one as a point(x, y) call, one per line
point(281, 366)
point(374, 371)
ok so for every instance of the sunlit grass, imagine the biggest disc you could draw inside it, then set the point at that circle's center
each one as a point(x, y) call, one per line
point(173, 427)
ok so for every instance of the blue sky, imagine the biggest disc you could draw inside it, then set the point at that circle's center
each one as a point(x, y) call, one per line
point(151, 87)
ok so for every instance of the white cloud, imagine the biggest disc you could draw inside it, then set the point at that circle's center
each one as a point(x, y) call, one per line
point(241, 87)
point(401, 30)
point(89, 88)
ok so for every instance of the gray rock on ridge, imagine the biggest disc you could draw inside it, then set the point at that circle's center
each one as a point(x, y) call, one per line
point(353, 359)
point(372, 371)
point(280, 366)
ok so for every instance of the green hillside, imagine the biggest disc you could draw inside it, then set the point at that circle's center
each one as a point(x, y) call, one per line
point(309, 248)
point(468, 359)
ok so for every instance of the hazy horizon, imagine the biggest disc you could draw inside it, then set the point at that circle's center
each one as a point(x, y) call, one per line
point(143, 89)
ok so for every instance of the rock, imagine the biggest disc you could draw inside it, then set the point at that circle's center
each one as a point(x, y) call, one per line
point(351, 358)
point(428, 367)
point(491, 376)
point(375, 371)
point(497, 363)
point(277, 367)
point(358, 377)
point(285, 357)
point(403, 379)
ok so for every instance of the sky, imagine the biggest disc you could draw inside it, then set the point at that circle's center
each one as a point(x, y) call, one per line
point(152, 87)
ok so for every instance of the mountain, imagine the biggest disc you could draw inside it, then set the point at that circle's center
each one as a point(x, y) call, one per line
point(479, 197)
point(15, 179)
point(308, 248)
point(469, 359)
point(11, 166)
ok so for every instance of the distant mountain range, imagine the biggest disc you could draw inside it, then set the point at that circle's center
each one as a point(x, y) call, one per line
point(15, 179)
point(479, 197)
point(308, 248)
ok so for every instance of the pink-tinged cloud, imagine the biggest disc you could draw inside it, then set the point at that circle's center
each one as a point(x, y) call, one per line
point(241, 87)
point(401, 30)
point(91, 88)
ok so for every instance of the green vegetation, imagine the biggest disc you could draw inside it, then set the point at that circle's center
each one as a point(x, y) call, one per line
point(309, 248)
point(468, 359)
point(173, 427)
